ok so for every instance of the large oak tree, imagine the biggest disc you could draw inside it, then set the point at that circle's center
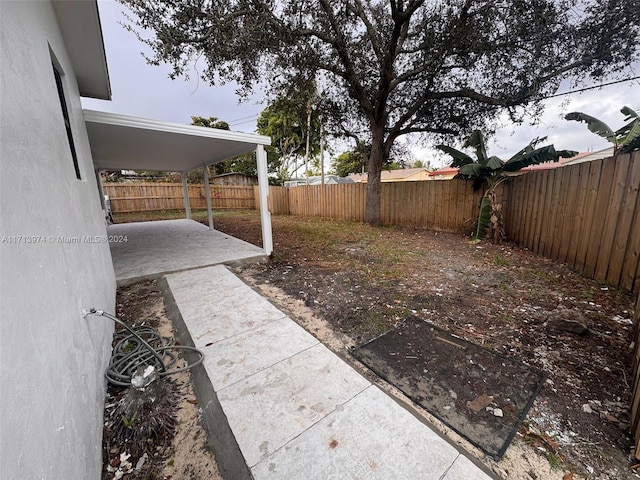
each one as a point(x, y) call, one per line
point(392, 67)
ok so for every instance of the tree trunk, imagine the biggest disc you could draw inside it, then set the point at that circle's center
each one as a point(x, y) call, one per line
point(376, 159)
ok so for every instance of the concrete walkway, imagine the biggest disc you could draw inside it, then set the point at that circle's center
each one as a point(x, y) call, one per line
point(145, 250)
point(295, 409)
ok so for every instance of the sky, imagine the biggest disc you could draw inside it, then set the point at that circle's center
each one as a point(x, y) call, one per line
point(143, 90)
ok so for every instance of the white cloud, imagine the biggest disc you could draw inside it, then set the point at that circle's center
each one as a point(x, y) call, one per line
point(144, 90)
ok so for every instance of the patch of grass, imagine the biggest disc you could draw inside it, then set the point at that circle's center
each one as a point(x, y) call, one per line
point(377, 322)
point(500, 261)
point(555, 461)
point(589, 294)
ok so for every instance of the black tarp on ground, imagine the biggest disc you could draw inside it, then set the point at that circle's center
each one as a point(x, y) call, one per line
point(458, 382)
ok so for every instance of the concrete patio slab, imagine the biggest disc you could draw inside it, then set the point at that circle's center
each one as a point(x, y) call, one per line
point(204, 278)
point(235, 358)
point(463, 469)
point(288, 398)
point(152, 249)
point(230, 311)
point(372, 437)
point(286, 407)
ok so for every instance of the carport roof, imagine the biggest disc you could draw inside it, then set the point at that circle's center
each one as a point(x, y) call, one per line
point(121, 142)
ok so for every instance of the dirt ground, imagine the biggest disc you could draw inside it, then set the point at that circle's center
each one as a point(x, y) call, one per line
point(360, 281)
point(177, 448)
point(347, 283)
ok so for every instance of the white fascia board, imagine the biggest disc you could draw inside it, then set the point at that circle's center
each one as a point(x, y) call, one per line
point(156, 125)
point(80, 26)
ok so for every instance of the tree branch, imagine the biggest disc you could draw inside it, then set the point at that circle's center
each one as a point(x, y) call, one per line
point(371, 31)
point(340, 46)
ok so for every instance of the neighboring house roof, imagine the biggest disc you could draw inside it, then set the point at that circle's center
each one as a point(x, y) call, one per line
point(401, 174)
point(329, 179)
point(589, 156)
point(562, 162)
point(443, 172)
point(317, 180)
point(579, 158)
point(551, 165)
point(391, 175)
point(121, 142)
point(358, 177)
point(80, 26)
point(233, 173)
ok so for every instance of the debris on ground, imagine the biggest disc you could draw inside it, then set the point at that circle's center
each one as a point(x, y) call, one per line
point(362, 280)
point(154, 429)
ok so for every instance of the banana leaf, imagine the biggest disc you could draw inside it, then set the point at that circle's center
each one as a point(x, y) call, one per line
point(534, 157)
point(459, 158)
point(494, 163)
point(472, 170)
point(477, 141)
point(630, 114)
point(594, 125)
point(629, 135)
point(484, 219)
point(631, 141)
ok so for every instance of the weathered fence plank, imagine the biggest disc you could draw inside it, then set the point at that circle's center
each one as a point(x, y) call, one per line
point(580, 185)
point(635, 402)
point(597, 232)
point(624, 230)
point(611, 217)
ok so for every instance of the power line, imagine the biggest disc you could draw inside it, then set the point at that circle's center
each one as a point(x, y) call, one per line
point(240, 123)
point(593, 87)
point(251, 118)
point(243, 118)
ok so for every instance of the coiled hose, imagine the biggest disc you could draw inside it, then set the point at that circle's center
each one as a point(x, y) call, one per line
point(142, 347)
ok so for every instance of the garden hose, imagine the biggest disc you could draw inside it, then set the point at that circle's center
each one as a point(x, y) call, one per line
point(142, 347)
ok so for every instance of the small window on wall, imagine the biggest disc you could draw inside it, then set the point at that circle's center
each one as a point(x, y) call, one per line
point(67, 122)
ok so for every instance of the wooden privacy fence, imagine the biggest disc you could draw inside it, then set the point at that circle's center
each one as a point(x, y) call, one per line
point(587, 215)
point(342, 201)
point(436, 205)
point(139, 197)
point(278, 200)
point(635, 402)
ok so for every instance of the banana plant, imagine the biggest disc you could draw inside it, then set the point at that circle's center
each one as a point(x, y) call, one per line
point(626, 139)
point(491, 171)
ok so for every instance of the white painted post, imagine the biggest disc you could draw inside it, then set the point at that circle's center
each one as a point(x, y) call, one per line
point(108, 218)
point(207, 194)
point(185, 192)
point(101, 189)
point(263, 187)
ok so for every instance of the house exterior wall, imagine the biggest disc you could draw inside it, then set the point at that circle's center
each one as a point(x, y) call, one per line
point(447, 176)
point(52, 358)
point(400, 175)
point(414, 177)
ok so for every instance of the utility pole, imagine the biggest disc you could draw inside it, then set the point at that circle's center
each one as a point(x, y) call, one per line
point(321, 150)
point(306, 154)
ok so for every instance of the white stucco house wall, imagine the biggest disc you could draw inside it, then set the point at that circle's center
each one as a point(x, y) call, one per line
point(52, 359)
point(55, 261)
